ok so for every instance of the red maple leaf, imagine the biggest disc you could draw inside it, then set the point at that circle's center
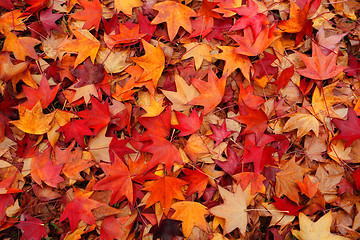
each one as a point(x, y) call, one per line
point(76, 129)
point(259, 154)
point(47, 19)
point(159, 125)
point(118, 146)
point(32, 228)
point(219, 134)
point(43, 93)
point(232, 163)
point(349, 129)
point(117, 180)
point(197, 180)
point(163, 152)
point(91, 14)
point(319, 66)
point(112, 228)
point(250, 16)
point(98, 116)
point(88, 73)
point(188, 124)
point(80, 209)
point(284, 204)
point(255, 120)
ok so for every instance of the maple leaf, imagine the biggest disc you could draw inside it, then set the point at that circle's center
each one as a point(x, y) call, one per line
point(98, 117)
point(250, 16)
point(117, 179)
point(188, 124)
point(233, 210)
point(47, 19)
point(164, 190)
point(349, 129)
point(199, 51)
point(250, 46)
point(126, 35)
point(179, 16)
point(76, 129)
point(12, 20)
point(7, 4)
point(255, 181)
point(219, 134)
point(32, 228)
point(316, 230)
point(298, 18)
point(197, 180)
point(43, 94)
point(247, 97)
point(184, 94)
point(153, 63)
point(126, 6)
point(118, 146)
point(284, 204)
point(21, 47)
point(286, 180)
point(80, 209)
point(319, 66)
point(234, 61)
point(112, 228)
point(163, 152)
point(211, 92)
point(35, 5)
point(88, 73)
point(284, 77)
point(86, 45)
point(255, 120)
point(158, 125)
point(303, 122)
point(91, 8)
point(191, 214)
point(33, 121)
point(307, 187)
point(7, 69)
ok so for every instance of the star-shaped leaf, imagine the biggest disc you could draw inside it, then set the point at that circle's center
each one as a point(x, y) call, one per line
point(320, 229)
point(80, 209)
point(34, 121)
point(117, 180)
point(211, 92)
point(91, 14)
point(178, 16)
point(164, 190)
point(319, 66)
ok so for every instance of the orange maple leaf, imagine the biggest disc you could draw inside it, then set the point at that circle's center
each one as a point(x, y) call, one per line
point(319, 66)
point(86, 45)
point(91, 14)
point(179, 15)
point(21, 47)
point(250, 46)
point(211, 92)
point(164, 190)
point(191, 214)
point(153, 63)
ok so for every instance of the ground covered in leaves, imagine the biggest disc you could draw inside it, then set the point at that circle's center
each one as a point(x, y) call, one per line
point(226, 119)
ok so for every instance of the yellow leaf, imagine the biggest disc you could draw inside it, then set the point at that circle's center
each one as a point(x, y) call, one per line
point(184, 94)
point(199, 51)
point(320, 230)
point(303, 122)
point(191, 214)
point(233, 210)
point(34, 121)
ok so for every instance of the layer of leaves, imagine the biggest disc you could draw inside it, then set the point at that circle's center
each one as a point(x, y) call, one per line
point(168, 119)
